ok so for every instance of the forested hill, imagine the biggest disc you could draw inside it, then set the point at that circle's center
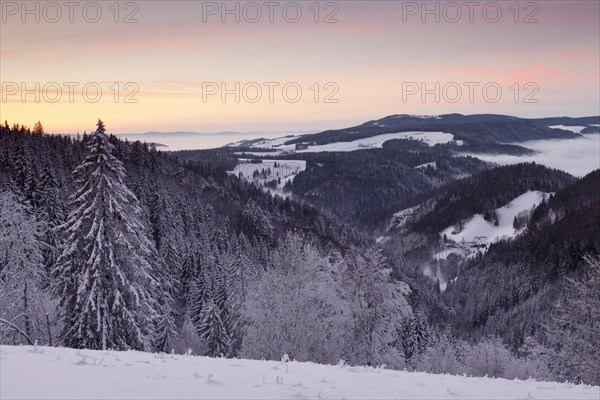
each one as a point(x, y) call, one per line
point(482, 128)
point(481, 193)
point(366, 187)
point(512, 289)
point(106, 244)
point(168, 189)
point(366, 173)
point(235, 270)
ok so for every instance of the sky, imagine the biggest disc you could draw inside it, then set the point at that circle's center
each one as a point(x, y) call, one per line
point(292, 66)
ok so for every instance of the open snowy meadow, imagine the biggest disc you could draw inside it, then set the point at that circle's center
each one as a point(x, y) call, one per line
point(28, 372)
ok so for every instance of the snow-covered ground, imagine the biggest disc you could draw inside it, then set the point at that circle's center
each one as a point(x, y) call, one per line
point(175, 141)
point(401, 218)
point(429, 164)
point(268, 170)
point(576, 129)
point(477, 233)
point(277, 142)
point(431, 138)
point(425, 116)
point(58, 373)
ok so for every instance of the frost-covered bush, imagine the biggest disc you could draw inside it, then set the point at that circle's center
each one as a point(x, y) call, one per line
point(296, 308)
point(24, 303)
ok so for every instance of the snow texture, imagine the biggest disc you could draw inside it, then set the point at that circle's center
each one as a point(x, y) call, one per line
point(576, 129)
point(479, 233)
point(373, 142)
point(31, 372)
point(425, 116)
point(283, 171)
point(429, 164)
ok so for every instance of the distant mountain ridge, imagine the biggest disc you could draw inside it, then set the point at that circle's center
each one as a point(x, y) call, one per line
point(478, 128)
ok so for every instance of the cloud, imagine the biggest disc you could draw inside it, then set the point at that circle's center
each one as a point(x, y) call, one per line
point(576, 156)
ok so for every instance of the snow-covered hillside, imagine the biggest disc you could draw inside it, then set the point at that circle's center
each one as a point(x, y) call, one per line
point(576, 129)
point(427, 165)
point(431, 138)
point(265, 172)
point(477, 233)
point(59, 373)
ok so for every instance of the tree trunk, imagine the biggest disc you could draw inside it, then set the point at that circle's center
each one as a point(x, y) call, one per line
point(48, 327)
point(26, 311)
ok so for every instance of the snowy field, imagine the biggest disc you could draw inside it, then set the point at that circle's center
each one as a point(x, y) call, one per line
point(59, 373)
point(174, 141)
point(268, 170)
point(427, 165)
point(265, 172)
point(478, 229)
point(576, 129)
point(431, 138)
point(477, 233)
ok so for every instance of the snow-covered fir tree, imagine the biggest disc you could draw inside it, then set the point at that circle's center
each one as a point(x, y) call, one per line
point(414, 336)
point(211, 329)
point(215, 300)
point(165, 327)
point(105, 272)
point(51, 213)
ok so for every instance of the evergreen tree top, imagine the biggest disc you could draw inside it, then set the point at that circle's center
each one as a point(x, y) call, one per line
point(101, 151)
point(101, 128)
point(38, 128)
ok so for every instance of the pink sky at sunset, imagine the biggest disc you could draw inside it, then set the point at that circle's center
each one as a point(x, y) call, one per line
point(170, 55)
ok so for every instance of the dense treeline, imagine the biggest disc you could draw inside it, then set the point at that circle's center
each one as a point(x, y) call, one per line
point(486, 191)
point(516, 288)
point(519, 289)
point(477, 129)
point(136, 250)
point(366, 187)
point(522, 278)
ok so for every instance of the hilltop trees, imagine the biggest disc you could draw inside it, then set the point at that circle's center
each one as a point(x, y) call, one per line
point(38, 128)
point(105, 272)
point(216, 295)
point(51, 212)
point(170, 256)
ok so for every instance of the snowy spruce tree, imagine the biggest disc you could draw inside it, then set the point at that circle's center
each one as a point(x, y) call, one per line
point(106, 270)
point(51, 212)
point(212, 330)
point(165, 323)
point(207, 309)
